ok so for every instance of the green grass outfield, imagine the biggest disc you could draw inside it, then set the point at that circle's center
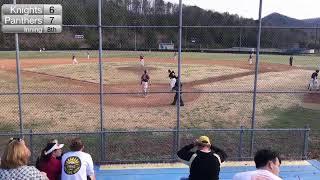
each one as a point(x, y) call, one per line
point(307, 61)
point(293, 117)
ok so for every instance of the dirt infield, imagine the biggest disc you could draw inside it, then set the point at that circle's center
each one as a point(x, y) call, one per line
point(154, 99)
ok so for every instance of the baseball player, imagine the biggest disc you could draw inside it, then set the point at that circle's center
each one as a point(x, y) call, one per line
point(171, 73)
point(74, 60)
point(175, 56)
point(172, 78)
point(314, 84)
point(141, 60)
point(250, 58)
point(145, 81)
point(88, 55)
point(290, 60)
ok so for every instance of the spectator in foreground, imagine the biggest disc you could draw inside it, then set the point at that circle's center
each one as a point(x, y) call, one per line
point(76, 164)
point(14, 162)
point(57, 142)
point(205, 162)
point(49, 160)
point(267, 164)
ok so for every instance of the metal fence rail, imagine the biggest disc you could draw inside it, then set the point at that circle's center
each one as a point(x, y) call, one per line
point(121, 146)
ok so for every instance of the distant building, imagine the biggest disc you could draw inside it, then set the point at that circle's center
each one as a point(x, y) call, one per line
point(300, 51)
point(166, 46)
point(79, 36)
point(243, 49)
point(309, 51)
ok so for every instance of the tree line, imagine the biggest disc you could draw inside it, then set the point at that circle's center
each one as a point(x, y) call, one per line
point(138, 18)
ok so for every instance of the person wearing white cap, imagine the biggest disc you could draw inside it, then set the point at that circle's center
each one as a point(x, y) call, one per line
point(48, 162)
point(205, 162)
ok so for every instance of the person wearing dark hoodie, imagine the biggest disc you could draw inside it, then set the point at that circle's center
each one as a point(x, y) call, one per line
point(205, 162)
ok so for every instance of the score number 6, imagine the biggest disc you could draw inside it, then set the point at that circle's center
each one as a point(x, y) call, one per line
point(51, 9)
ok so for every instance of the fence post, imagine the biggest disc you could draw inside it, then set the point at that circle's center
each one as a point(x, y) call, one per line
point(305, 142)
point(18, 73)
point(240, 144)
point(174, 144)
point(101, 95)
point(177, 135)
point(31, 145)
point(255, 82)
point(104, 145)
point(240, 39)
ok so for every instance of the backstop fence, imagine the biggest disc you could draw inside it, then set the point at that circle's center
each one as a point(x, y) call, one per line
point(238, 86)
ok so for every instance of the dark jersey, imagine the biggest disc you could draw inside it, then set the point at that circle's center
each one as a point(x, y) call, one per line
point(314, 75)
point(141, 57)
point(203, 166)
point(145, 78)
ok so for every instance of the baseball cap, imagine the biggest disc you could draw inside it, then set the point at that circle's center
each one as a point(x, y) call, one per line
point(204, 140)
point(51, 147)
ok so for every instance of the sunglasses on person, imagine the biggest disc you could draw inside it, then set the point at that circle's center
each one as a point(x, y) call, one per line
point(15, 139)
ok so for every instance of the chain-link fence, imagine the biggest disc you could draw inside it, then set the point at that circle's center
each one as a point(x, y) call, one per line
point(141, 146)
point(228, 81)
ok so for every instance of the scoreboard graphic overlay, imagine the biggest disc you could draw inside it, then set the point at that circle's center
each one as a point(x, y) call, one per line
point(31, 18)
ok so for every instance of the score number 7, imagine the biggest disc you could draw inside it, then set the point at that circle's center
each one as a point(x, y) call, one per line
point(51, 19)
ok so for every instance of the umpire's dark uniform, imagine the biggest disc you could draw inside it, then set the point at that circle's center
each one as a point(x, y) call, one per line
point(290, 60)
point(176, 85)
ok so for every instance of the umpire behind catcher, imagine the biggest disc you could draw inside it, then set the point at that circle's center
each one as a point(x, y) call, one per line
point(205, 162)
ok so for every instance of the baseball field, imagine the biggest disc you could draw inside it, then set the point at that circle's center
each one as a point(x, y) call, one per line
point(59, 96)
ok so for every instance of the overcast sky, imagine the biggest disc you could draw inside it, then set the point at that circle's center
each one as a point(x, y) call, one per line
point(299, 9)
